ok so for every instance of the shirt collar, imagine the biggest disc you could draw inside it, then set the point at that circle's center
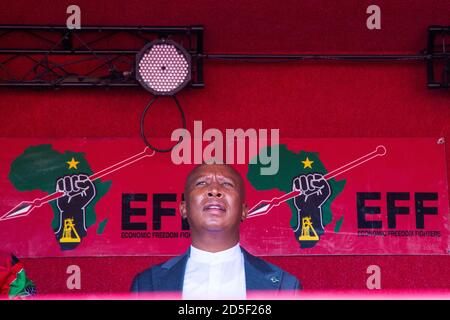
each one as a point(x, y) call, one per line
point(202, 256)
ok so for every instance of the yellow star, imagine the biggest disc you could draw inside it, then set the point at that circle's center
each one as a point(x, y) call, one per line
point(307, 163)
point(72, 163)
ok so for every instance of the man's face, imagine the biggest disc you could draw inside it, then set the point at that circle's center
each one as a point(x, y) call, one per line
point(214, 199)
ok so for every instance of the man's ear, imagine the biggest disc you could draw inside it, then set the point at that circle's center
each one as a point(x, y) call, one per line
point(244, 212)
point(183, 210)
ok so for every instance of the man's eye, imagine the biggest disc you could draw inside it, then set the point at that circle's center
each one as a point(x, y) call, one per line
point(228, 184)
point(200, 183)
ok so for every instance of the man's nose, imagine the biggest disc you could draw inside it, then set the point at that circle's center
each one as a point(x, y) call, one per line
point(214, 191)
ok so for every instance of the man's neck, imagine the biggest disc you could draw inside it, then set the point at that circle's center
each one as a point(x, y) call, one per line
point(214, 242)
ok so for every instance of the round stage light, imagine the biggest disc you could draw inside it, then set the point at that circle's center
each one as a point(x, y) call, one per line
point(163, 67)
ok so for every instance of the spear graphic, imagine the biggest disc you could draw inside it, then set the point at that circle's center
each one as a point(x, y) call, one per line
point(25, 207)
point(264, 206)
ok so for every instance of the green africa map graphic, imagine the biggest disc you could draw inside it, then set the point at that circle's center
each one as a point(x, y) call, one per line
point(291, 165)
point(39, 167)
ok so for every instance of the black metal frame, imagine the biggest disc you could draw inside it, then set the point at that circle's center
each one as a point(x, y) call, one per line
point(118, 64)
point(105, 66)
point(441, 51)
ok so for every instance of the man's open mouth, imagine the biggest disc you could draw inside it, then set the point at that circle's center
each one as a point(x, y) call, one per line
point(214, 207)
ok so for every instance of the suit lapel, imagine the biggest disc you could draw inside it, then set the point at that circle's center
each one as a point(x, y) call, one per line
point(259, 275)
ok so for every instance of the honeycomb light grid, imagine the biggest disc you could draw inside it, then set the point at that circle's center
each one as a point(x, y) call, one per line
point(163, 68)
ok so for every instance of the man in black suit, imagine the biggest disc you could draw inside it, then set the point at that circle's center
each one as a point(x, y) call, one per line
point(215, 266)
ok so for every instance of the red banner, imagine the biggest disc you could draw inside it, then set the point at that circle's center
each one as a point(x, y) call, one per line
point(96, 197)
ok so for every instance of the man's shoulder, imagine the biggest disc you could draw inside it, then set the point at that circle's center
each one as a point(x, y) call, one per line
point(158, 268)
point(150, 279)
point(287, 279)
point(144, 280)
point(271, 267)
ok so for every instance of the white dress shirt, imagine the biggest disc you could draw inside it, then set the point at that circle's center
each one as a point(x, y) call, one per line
point(219, 275)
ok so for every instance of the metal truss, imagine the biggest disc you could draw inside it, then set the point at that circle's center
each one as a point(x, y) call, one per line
point(46, 56)
point(438, 53)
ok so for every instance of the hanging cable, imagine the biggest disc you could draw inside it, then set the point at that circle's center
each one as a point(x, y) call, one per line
point(144, 113)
